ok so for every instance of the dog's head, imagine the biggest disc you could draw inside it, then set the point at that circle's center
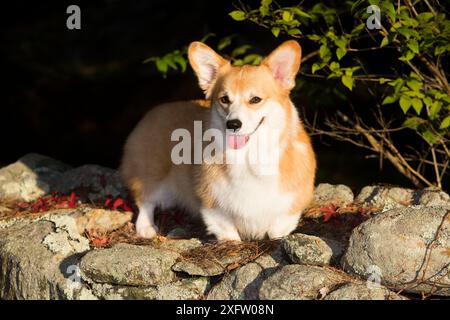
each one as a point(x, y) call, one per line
point(246, 96)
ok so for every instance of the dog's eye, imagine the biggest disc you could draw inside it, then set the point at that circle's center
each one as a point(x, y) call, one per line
point(225, 100)
point(255, 100)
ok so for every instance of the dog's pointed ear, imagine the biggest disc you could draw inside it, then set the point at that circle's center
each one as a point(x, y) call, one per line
point(284, 63)
point(206, 64)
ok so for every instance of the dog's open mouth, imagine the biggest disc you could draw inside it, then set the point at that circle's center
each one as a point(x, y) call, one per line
point(238, 141)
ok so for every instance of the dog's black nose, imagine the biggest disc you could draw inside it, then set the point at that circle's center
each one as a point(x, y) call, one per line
point(234, 124)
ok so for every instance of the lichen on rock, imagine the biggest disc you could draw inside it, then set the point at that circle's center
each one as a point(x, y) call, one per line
point(66, 238)
point(130, 265)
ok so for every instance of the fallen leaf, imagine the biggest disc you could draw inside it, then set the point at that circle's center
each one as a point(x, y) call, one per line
point(118, 203)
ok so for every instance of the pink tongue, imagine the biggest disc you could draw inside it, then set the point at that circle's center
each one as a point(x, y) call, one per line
point(237, 142)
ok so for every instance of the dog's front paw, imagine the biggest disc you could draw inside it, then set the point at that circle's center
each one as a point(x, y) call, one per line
point(228, 236)
point(145, 229)
point(283, 226)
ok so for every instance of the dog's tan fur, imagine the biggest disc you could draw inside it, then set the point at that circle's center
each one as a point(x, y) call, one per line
point(146, 163)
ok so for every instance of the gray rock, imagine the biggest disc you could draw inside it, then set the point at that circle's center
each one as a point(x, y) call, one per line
point(179, 245)
point(432, 197)
point(339, 194)
point(300, 282)
point(184, 289)
point(107, 291)
point(361, 291)
point(385, 197)
point(131, 265)
point(306, 249)
point(101, 220)
point(92, 182)
point(28, 270)
point(34, 175)
point(30, 177)
point(399, 245)
point(65, 239)
point(204, 269)
point(244, 282)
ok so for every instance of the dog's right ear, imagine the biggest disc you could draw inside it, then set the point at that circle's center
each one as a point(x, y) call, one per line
point(206, 64)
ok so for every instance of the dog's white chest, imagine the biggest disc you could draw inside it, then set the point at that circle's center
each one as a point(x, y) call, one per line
point(252, 202)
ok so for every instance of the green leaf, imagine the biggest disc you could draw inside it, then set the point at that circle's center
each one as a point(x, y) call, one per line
point(358, 29)
point(313, 37)
point(406, 32)
point(390, 10)
point(430, 137)
point(441, 49)
point(275, 31)
point(240, 50)
point(225, 42)
point(347, 81)
point(341, 52)
point(417, 105)
point(435, 108)
point(405, 103)
point(334, 66)
point(168, 59)
point(389, 99)
point(396, 82)
point(161, 65)
point(324, 51)
point(425, 17)
point(181, 62)
point(238, 15)
point(349, 71)
point(341, 42)
point(413, 45)
point(331, 35)
point(414, 84)
point(445, 123)
point(150, 59)
point(384, 42)
point(428, 101)
point(408, 56)
point(299, 12)
point(254, 59)
point(396, 26)
point(413, 122)
point(315, 67)
point(264, 9)
point(238, 62)
point(287, 16)
point(294, 32)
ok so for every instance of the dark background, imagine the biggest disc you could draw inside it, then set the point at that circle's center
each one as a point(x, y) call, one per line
point(76, 94)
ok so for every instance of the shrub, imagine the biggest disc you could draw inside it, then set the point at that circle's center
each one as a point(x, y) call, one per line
point(414, 34)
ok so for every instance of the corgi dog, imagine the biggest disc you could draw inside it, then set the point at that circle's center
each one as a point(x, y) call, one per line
point(250, 106)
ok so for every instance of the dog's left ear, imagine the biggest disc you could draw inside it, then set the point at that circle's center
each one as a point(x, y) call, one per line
point(284, 63)
point(206, 64)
